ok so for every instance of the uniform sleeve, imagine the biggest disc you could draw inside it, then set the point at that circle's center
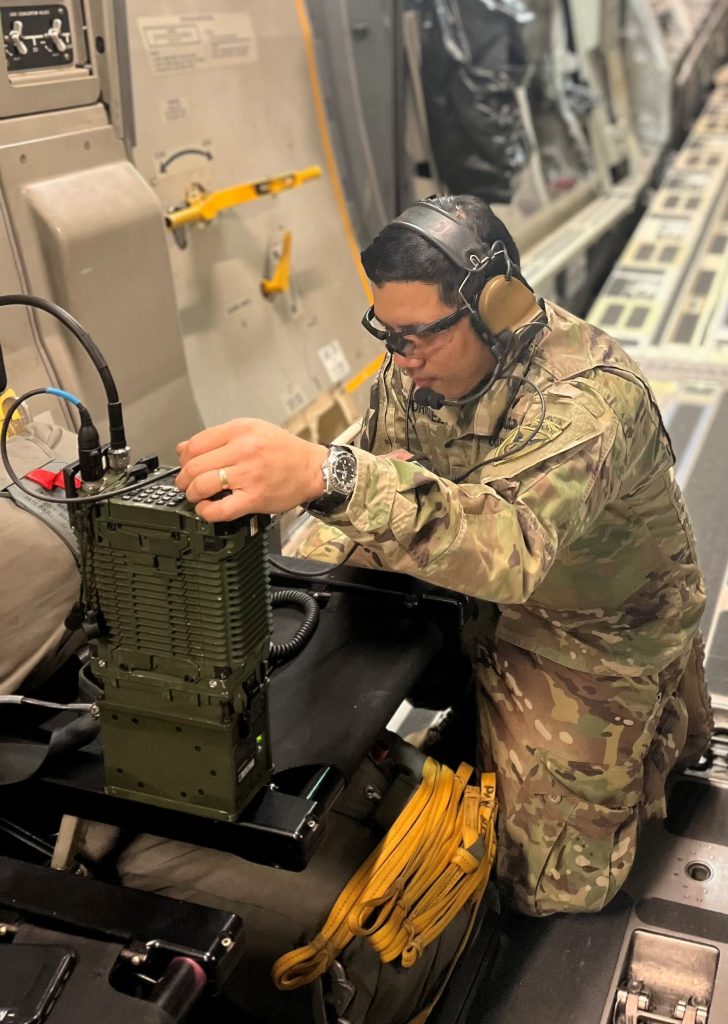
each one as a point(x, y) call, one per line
point(321, 542)
point(496, 538)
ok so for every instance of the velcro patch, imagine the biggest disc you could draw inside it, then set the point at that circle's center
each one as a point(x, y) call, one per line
point(531, 435)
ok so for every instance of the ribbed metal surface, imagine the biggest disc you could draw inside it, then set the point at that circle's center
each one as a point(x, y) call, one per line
point(216, 610)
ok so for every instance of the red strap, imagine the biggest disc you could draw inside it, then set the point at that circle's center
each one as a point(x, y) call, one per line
point(47, 479)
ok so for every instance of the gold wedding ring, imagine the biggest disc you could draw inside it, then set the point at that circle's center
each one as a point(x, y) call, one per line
point(224, 482)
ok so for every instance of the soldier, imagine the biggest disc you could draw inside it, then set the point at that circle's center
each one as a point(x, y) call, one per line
point(514, 453)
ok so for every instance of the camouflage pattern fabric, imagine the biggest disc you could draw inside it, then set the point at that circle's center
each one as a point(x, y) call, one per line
point(582, 541)
point(581, 763)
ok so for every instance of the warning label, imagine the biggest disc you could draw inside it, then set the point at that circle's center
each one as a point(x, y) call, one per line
point(197, 42)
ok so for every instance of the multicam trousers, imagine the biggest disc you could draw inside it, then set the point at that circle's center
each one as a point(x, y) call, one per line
point(581, 762)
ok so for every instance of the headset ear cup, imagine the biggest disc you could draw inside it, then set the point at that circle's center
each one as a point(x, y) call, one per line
point(507, 305)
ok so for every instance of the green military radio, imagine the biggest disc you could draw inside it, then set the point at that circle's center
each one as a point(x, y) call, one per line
point(179, 611)
point(183, 612)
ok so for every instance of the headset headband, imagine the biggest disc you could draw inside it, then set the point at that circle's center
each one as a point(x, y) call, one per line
point(451, 236)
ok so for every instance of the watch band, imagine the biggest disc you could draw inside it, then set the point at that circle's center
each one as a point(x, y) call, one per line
point(326, 504)
point(339, 470)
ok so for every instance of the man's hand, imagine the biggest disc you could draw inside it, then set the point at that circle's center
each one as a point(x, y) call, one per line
point(267, 468)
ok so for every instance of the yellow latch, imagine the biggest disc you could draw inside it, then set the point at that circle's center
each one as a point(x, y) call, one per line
point(280, 278)
point(201, 205)
point(19, 417)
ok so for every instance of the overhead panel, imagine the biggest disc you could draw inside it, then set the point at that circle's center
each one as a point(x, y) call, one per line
point(224, 115)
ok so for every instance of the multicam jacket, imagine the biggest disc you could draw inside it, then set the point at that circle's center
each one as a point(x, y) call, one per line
point(580, 537)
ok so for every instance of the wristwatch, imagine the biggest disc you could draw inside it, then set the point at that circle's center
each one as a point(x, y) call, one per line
point(339, 471)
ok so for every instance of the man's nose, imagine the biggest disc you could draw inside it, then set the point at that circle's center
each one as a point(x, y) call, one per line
point(410, 361)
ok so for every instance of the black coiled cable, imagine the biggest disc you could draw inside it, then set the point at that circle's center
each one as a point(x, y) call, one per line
point(281, 653)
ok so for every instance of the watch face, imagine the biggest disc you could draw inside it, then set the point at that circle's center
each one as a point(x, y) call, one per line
point(343, 472)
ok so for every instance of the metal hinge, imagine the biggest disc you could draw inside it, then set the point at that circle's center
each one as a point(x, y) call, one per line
point(665, 980)
point(634, 1005)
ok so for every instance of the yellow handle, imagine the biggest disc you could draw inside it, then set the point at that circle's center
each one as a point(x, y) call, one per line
point(205, 206)
point(281, 275)
point(19, 417)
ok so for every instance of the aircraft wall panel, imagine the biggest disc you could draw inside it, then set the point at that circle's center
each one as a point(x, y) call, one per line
point(223, 96)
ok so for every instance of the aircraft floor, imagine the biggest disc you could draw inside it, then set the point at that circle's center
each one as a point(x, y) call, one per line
point(566, 969)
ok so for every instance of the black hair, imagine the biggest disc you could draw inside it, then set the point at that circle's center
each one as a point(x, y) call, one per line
point(400, 254)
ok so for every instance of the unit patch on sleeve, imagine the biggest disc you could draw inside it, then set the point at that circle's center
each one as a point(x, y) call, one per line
point(534, 434)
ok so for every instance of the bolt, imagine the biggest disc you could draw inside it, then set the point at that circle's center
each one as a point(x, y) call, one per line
point(312, 824)
point(213, 684)
point(227, 942)
point(101, 663)
point(699, 1001)
point(373, 794)
point(137, 959)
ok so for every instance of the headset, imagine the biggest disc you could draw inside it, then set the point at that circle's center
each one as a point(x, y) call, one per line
point(505, 311)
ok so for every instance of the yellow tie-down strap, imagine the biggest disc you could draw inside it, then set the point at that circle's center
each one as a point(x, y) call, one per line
point(436, 858)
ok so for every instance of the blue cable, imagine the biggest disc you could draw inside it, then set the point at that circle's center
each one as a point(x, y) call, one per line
point(63, 394)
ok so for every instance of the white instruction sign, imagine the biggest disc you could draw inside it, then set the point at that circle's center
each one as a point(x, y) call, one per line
point(335, 362)
point(197, 42)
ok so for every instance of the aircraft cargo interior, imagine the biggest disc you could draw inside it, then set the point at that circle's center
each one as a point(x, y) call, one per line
point(363, 534)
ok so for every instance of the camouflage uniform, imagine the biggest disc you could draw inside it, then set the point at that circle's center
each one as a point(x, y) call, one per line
point(592, 683)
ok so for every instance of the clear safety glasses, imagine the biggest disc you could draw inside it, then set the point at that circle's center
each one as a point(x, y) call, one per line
point(401, 341)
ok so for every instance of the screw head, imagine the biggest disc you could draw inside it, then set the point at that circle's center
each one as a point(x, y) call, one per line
point(136, 959)
point(227, 942)
point(213, 684)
